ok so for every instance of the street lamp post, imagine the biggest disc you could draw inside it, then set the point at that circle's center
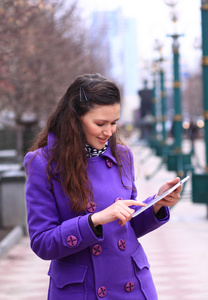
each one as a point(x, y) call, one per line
point(177, 160)
point(163, 106)
point(154, 102)
point(204, 18)
point(200, 180)
point(158, 46)
point(177, 122)
point(177, 95)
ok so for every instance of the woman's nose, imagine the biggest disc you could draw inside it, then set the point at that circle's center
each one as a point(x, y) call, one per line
point(108, 131)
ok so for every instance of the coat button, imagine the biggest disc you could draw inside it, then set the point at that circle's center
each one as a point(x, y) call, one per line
point(102, 291)
point(109, 163)
point(91, 207)
point(72, 241)
point(121, 244)
point(96, 250)
point(119, 198)
point(129, 286)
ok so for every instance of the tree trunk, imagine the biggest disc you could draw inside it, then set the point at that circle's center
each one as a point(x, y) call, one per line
point(19, 141)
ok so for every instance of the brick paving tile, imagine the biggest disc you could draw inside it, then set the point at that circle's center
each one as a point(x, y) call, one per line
point(23, 276)
point(178, 256)
point(178, 250)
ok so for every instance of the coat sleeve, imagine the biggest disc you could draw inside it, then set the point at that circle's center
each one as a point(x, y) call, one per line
point(146, 221)
point(51, 239)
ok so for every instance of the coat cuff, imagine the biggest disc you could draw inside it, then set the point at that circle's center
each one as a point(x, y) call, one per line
point(78, 229)
point(88, 235)
point(147, 221)
point(98, 230)
point(161, 214)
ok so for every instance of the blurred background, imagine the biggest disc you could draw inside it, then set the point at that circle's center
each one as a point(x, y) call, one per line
point(46, 44)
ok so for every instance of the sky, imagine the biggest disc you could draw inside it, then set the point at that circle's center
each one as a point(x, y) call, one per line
point(153, 19)
point(154, 22)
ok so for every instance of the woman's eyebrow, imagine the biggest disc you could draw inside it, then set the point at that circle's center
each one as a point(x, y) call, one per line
point(102, 120)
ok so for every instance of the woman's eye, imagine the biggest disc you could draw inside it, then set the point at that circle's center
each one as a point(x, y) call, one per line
point(100, 125)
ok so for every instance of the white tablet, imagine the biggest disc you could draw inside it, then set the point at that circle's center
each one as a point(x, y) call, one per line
point(158, 198)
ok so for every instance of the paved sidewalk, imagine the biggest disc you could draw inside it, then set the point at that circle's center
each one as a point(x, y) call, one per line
point(177, 251)
point(178, 254)
point(23, 276)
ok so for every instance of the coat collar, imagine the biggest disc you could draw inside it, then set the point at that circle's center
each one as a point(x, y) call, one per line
point(51, 140)
point(106, 154)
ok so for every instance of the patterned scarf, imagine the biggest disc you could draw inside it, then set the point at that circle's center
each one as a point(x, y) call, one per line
point(93, 152)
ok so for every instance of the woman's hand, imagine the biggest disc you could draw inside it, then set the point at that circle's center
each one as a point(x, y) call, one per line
point(170, 199)
point(119, 210)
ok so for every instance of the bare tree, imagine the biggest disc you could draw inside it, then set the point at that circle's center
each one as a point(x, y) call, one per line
point(44, 45)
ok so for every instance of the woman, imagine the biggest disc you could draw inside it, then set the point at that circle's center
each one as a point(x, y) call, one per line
point(81, 195)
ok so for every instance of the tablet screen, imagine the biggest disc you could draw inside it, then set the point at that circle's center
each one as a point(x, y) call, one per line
point(158, 198)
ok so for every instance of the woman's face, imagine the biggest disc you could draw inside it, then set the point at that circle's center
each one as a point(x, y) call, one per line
point(100, 123)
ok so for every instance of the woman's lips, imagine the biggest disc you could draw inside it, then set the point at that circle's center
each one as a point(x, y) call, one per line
point(103, 140)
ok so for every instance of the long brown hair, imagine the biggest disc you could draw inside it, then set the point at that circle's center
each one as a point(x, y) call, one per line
point(69, 152)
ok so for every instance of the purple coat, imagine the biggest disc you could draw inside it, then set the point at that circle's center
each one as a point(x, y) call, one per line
point(84, 266)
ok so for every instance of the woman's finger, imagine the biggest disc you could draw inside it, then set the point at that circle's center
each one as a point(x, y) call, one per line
point(132, 203)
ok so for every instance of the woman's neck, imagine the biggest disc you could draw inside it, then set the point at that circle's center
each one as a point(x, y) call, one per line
point(93, 152)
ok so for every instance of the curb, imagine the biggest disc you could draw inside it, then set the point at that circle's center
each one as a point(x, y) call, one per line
point(11, 239)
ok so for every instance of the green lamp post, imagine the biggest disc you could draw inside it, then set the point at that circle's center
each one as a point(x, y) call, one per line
point(176, 159)
point(200, 181)
point(163, 106)
point(158, 46)
point(177, 122)
point(177, 96)
point(204, 17)
point(154, 101)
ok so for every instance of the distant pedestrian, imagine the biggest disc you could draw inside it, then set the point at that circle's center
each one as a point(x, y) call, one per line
point(81, 194)
point(193, 133)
